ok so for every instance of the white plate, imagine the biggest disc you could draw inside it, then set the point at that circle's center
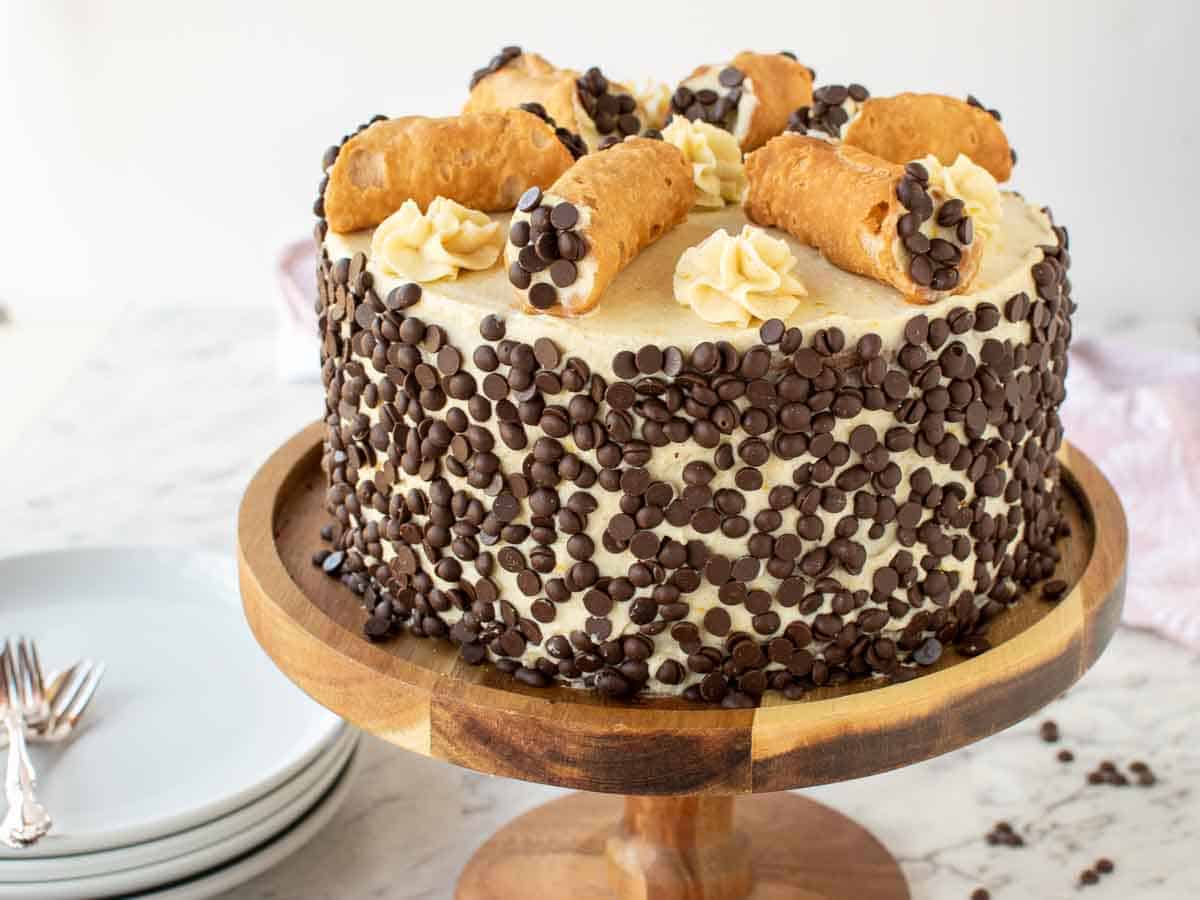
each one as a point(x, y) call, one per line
point(104, 862)
point(157, 875)
point(192, 721)
point(218, 881)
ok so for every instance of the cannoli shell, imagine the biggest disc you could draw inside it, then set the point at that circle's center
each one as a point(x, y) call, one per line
point(780, 85)
point(528, 79)
point(841, 200)
point(912, 126)
point(484, 161)
point(636, 191)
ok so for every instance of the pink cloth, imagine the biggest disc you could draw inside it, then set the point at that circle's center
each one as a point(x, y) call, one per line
point(1136, 413)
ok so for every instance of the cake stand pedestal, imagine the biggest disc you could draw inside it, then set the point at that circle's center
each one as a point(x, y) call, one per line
point(680, 835)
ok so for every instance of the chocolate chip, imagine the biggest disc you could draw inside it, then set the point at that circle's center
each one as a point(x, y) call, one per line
point(542, 296)
point(563, 273)
point(730, 77)
point(571, 246)
point(448, 360)
point(951, 213)
point(530, 200)
point(564, 216)
point(491, 328)
point(943, 251)
point(945, 279)
point(807, 362)
point(771, 332)
point(917, 243)
point(518, 277)
point(546, 353)
point(929, 652)
point(518, 234)
point(921, 271)
point(403, 297)
point(649, 359)
point(717, 622)
point(917, 172)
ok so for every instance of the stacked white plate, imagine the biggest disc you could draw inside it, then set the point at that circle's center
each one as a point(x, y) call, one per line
point(198, 765)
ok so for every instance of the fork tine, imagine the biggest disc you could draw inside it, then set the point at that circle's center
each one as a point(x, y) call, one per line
point(58, 682)
point(77, 676)
point(12, 694)
point(25, 673)
point(4, 676)
point(92, 683)
point(35, 661)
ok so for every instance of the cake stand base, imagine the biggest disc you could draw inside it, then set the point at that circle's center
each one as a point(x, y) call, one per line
point(585, 847)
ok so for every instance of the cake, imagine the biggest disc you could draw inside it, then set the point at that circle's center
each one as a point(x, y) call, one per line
point(760, 398)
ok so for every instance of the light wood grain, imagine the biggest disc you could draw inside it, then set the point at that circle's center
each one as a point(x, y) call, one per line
point(768, 847)
point(417, 694)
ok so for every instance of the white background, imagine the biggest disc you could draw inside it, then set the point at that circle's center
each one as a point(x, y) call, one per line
point(161, 152)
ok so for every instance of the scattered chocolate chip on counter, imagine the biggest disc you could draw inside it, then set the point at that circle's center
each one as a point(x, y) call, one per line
point(1003, 835)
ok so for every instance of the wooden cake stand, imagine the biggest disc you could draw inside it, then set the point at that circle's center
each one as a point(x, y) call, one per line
point(677, 833)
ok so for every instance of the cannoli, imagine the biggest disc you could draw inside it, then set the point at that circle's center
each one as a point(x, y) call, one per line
point(750, 96)
point(909, 126)
point(588, 105)
point(890, 222)
point(833, 106)
point(483, 161)
point(565, 246)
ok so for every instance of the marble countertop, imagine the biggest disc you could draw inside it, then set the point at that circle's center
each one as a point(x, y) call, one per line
point(147, 431)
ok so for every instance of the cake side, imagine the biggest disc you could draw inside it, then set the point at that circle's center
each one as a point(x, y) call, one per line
point(638, 502)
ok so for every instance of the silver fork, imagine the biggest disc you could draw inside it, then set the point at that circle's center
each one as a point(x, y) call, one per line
point(54, 705)
point(64, 702)
point(27, 820)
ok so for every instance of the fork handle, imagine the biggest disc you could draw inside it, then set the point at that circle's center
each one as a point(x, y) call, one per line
point(27, 820)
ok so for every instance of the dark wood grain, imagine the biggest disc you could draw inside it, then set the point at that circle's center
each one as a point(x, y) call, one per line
point(417, 694)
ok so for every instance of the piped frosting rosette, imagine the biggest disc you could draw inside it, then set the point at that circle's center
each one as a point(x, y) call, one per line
point(715, 158)
point(566, 245)
point(902, 225)
point(484, 161)
point(587, 104)
point(436, 244)
point(731, 279)
point(750, 96)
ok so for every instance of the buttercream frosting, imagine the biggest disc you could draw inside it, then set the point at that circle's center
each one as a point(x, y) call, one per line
point(436, 244)
point(972, 184)
point(736, 279)
point(715, 158)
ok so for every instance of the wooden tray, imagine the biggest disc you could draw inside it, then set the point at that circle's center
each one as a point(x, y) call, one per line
point(418, 695)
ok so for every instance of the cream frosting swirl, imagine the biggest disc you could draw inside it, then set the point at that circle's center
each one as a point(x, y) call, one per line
point(729, 279)
point(654, 99)
point(435, 244)
point(715, 158)
point(972, 184)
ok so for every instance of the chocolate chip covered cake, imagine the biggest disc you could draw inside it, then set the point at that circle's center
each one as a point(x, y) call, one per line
point(732, 389)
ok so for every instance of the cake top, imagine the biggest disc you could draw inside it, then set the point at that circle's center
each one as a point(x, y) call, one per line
point(738, 197)
point(640, 308)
